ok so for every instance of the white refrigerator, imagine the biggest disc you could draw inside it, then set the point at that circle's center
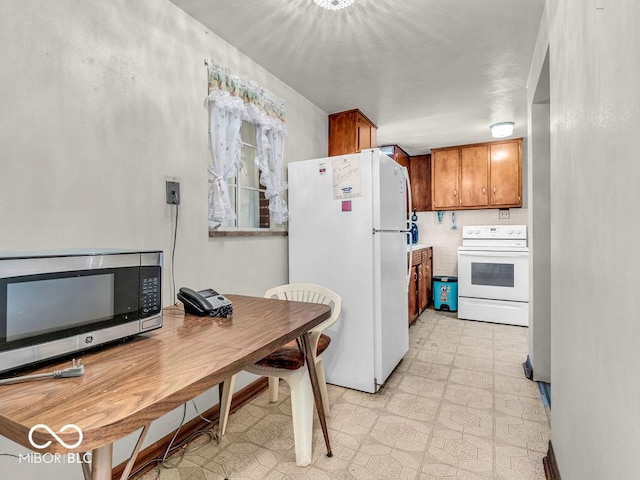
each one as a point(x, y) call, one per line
point(347, 231)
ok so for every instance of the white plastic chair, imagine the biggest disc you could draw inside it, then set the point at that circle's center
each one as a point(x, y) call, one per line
point(296, 374)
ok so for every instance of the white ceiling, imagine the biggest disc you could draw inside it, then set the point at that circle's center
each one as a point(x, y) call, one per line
point(428, 73)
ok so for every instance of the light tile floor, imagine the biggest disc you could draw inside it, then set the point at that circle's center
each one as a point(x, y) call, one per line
point(458, 407)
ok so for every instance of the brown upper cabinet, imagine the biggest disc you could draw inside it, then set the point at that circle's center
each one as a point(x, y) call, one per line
point(419, 168)
point(474, 176)
point(505, 165)
point(420, 176)
point(350, 132)
point(484, 175)
point(397, 153)
point(445, 179)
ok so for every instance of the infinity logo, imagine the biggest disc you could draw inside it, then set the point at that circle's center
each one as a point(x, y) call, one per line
point(69, 426)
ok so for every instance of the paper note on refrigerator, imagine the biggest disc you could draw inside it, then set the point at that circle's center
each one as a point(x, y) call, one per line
point(347, 182)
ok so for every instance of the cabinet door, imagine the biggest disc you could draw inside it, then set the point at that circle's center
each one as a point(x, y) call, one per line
point(350, 132)
point(474, 176)
point(413, 295)
point(373, 136)
point(402, 158)
point(423, 283)
point(420, 176)
point(397, 154)
point(366, 133)
point(428, 274)
point(506, 179)
point(343, 134)
point(444, 179)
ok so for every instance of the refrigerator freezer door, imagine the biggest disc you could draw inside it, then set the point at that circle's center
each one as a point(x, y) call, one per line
point(333, 247)
point(390, 266)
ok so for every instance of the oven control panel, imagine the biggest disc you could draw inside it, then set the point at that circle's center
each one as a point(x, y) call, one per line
point(497, 232)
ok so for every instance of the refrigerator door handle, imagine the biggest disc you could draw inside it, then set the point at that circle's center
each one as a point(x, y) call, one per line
point(410, 255)
point(384, 230)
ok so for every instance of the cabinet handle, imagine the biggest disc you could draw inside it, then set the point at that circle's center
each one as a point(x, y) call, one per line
point(455, 192)
point(494, 189)
point(484, 190)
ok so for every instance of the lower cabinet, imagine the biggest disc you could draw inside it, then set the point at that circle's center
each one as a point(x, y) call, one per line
point(420, 282)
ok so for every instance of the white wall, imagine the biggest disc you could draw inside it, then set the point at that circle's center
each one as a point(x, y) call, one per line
point(540, 247)
point(101, 103)
point(540, 224)
point(595, 263)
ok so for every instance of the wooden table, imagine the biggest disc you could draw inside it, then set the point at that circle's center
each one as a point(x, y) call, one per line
point(129, 385)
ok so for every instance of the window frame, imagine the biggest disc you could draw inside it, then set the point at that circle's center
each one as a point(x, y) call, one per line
point(262, 202)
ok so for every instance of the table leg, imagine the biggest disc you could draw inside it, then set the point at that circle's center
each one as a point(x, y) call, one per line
point(101, 459)
point(308, 353)
point(86, 467)
point(225, 392)
point(134, 455)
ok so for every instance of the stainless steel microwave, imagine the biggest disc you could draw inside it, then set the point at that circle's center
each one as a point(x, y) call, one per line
point(58, 303)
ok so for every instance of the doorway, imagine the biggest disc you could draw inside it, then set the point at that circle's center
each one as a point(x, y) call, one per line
point(539, 183)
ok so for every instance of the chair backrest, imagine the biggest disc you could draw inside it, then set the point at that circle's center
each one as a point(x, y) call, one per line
point(312, 293)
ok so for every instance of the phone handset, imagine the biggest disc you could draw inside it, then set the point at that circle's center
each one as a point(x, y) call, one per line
point(205, 302)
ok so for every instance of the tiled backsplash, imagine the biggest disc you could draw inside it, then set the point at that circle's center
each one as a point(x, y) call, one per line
point(446, 241)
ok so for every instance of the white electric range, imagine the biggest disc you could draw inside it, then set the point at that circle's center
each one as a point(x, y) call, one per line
point(493, 274)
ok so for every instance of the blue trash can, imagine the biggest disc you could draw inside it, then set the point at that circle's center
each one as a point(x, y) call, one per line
point(445, 293)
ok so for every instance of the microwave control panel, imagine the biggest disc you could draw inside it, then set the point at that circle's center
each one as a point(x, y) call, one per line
point(150, 294)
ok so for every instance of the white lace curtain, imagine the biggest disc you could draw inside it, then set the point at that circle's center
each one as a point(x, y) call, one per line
point(270, 145)
point(225, 123)
point(232, 100)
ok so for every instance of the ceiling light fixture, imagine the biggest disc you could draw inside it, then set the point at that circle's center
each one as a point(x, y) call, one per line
point(334, 4)
point(501, 130)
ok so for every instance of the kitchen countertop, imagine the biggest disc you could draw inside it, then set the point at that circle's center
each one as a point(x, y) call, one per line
point(419, 246)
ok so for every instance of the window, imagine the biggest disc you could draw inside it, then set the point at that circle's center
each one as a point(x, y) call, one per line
point(247, 196)
point(240, 113)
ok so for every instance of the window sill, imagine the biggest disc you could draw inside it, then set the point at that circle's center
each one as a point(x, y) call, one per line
point(248, 233)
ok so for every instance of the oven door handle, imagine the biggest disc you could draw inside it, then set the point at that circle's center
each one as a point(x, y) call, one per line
point(485, 253)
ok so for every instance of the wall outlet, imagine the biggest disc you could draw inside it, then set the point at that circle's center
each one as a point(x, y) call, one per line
point(503, 214)
point(173, 193)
